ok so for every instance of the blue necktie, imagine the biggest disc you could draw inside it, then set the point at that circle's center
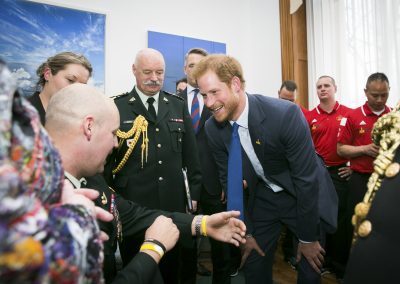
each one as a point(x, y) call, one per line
point(235, 176)
point(195, 111)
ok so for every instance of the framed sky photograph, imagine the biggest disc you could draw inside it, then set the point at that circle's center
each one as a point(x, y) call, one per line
point(30, 32)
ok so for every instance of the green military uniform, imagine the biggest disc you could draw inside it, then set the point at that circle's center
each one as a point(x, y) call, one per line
point(151, 174)
point(375, 254)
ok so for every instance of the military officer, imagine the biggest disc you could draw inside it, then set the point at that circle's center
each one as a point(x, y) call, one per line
point(375, 255)
point(156, 141)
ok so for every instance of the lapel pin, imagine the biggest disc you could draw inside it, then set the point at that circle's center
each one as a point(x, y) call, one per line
point(131, 100)
point(258, 142)
point(165, 99)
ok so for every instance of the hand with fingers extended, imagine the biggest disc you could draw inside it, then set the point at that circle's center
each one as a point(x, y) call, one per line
point(251, 244)
point(225, 227)
point(314, 254)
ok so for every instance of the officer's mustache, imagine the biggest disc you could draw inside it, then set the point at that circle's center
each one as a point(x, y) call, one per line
point(152, 83)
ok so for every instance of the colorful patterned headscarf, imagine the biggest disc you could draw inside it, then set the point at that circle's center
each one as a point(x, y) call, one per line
point(41, 240)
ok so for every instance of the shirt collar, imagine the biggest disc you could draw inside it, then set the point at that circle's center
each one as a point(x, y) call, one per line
point(144, 97)
point(75, 182)
point(190, 89)
point(366, 110)
point(243, 119)
point(335, 108)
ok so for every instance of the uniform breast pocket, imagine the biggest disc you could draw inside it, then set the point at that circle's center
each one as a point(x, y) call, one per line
point(177, 133)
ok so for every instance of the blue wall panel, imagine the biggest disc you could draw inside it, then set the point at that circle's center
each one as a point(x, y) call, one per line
point(174, 48)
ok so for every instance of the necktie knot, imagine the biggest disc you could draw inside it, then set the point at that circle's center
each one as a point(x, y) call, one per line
point(151, 101)
point(151, 108)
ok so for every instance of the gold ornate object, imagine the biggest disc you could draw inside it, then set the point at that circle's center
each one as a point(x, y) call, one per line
point(104, 199)
point(392, 170)
point(365, 228)
point(362, 209)
point(139, 126)
point(386, 134)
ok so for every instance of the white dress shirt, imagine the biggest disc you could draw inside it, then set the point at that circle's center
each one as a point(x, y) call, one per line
point(245, 141)
point(144, 98)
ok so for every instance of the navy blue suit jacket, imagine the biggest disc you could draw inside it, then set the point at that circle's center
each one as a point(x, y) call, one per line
point(283, 145)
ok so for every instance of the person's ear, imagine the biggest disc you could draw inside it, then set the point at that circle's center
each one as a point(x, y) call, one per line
point(236, 84)
point(134, 69)
point(88, 127)
point(47, 73)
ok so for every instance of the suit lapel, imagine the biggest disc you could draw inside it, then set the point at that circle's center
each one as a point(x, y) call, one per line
point(205, 114)
point(255, 121)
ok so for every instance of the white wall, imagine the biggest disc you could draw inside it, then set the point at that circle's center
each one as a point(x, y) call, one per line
point(249, 28)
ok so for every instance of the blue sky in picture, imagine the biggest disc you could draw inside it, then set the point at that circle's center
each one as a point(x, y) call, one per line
point(31, 32)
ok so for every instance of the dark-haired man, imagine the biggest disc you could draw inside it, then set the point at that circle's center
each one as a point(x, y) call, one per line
point(288, 92)
point(354, 140)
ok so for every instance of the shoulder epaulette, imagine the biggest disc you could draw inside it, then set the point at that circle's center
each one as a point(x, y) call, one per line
point(178, 97)
point(120, 95)
point(168, 93)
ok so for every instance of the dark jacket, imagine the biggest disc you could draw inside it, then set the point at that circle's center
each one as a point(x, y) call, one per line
point(283, 145)
point(172, 146)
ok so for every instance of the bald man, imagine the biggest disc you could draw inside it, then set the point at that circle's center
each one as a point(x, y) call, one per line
point(156, 172)
point(82, 123)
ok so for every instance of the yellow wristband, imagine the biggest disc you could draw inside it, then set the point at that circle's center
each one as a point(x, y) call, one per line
point(204, 226)
point(153, 247)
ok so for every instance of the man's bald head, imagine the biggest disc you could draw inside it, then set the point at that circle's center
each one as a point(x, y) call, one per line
point(73, 103)
point(146, 53)
point(83, 122)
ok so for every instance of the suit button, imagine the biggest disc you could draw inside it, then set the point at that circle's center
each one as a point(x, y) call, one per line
point(158, 145)
point(179, 129)
point(160, 162)
point(157, 129)
point(160, 179)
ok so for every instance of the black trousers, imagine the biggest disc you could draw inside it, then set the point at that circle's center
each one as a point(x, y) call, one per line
point(188, 263)
point(220, 252)
point(337, 250)
point(357, 189)
point(272, 210)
